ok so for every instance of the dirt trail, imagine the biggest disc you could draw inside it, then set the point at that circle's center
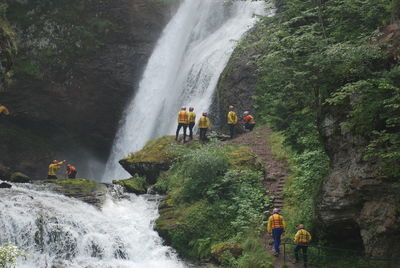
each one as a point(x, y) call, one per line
point(276, 173)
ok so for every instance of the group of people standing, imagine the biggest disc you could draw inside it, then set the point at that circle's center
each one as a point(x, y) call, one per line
point(276, 226)
point(188, 120)
point(55, 165)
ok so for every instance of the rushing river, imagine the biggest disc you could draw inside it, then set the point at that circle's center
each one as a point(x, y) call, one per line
point(59, 232)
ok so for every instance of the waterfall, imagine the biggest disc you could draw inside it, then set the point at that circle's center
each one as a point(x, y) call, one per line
point(57, 231)
point(184, 69)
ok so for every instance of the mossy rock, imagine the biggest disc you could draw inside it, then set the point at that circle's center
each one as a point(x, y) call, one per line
point(19, 177)
point(220, 250)
point(168, 222)
point(89, 191)
point(242, 158)
point(135, 185)
point(155, 157)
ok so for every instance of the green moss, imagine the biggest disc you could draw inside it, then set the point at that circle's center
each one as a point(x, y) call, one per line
point(158, 150)
point(75, 187)
point(135, 185)
point(241, 158)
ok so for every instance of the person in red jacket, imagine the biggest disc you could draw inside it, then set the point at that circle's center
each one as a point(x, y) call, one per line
point(71, 171)
point(249, 121)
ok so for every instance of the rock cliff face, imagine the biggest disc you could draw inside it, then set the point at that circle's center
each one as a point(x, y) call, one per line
point(357, 208)
point(78, 63)
point(236, 86)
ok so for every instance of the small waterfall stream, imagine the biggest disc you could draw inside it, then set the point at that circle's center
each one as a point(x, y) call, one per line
point(58, 231)
point(183, 70)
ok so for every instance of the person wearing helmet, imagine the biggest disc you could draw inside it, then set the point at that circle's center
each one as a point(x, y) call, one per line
point(52, 174)
point(232, 120)
point(4, 110)
point(302, 239)
point(249, 121)
point(204, 125)
point(182, 123)
point(276, 226)
point(71, 171)
point(191, 121)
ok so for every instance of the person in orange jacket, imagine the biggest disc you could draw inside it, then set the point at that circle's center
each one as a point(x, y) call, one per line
point(182, 123)
point(191, 121)
point(249, 121)
point(204, 125)
point(232, 120)
point(276, 226)
point(52, 174)
point(71, 171)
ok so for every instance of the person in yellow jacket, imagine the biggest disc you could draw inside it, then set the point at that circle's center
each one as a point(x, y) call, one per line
point(232, 121)
point(276, 226)
point(182, 123)
point(52, 174)
point(204, 125)
point(302, 239)
point(191, 121)
point(4, 110)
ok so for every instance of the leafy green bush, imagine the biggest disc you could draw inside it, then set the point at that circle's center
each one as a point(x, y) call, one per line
point(211, 202)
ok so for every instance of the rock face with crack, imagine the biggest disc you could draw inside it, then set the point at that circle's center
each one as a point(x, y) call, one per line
point(78, 63)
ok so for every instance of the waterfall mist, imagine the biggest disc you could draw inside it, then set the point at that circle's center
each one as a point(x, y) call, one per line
point(184, 69)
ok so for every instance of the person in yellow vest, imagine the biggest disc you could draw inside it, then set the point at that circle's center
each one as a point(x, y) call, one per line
point(302, 239)
point(232, 120)
point(52, 174)
point(204, 125)
point(191, 121)
point(276, 225)
point(4, 110)
point(182, 123)
point(249, 121)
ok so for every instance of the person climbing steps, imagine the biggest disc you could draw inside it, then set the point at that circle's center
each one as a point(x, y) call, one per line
point(276, 226)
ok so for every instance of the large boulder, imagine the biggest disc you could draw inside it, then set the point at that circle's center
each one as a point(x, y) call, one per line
point(154, 158)
point(136, 185)
point(85, 190)
point(19, 177)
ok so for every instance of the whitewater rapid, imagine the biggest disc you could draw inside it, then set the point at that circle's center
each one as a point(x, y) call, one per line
point(57, 230)
point(184, 69)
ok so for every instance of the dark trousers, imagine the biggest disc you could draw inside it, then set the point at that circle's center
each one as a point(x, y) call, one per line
point(276, 233)
point(191, 125)
point(303, 248)
point(72, 175)
point(249, 126)
point(180, 125)
point(203, 132)
point(231, 130)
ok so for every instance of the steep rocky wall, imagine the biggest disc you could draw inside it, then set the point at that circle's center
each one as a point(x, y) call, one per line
point(236, 86)
point(78, 63)
point(358, 209)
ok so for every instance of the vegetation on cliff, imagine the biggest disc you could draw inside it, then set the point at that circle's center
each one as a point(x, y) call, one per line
point(329, 60)
point(214, 206)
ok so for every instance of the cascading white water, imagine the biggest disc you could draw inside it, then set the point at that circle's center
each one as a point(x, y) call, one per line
point(183, 70)
point(57, 231)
